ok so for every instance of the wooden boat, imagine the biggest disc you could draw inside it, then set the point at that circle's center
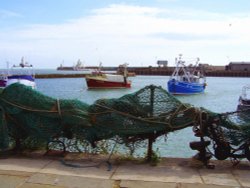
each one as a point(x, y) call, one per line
point(186, 80)
point(101, 80)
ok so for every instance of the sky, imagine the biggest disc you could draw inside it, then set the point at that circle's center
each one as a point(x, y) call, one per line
point(48, 33)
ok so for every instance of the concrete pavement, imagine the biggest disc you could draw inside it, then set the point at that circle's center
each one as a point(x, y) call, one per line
point(45, 172)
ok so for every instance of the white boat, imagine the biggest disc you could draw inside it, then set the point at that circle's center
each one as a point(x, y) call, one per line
point(244, 99)
point(22, 73)
point(186, 80)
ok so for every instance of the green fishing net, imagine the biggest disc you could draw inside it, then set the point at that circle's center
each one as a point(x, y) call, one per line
point(28, 116)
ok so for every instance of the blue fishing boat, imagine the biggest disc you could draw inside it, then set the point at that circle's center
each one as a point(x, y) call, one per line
point(186, 80)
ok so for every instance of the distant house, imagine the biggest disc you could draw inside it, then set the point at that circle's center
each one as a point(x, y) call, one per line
point(238, 66)
point(216, 68)
point(207, 67)
point(162, 63)
point(203, 66)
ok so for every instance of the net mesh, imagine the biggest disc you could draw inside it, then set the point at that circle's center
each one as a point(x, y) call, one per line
point(236, 127)
point(28, 116)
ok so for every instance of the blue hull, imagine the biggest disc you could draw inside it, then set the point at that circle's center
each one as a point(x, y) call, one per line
point(185, 88)
point(23, 77)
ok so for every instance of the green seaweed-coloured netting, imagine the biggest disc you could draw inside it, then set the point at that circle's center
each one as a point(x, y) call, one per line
point(236, 127)
point(29, 116)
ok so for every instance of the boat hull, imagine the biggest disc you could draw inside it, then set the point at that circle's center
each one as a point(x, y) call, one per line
point(95, 84)
point(244, 104)
point(3, 83)
point(185, 88)
point(242, 107)
point(27, 80)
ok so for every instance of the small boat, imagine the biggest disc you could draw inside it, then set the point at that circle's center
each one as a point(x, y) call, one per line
point(101, 80)
point(186, 80)
point(22, 73)
point(244, 99)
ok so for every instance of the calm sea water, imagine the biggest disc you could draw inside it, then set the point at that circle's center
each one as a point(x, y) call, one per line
point(221, 95)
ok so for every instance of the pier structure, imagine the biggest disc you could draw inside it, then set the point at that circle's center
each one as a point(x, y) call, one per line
point(156, 71)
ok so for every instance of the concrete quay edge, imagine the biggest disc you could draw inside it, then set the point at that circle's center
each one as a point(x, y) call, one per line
point(78, 170)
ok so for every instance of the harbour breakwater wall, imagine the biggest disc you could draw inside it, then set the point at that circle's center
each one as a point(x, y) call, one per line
point(152, 71)
point(169, 70)
point(59, 76)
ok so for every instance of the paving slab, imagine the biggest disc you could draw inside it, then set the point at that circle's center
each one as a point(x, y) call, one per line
point(219, 177)
point(45, 172)
point(146, 172)
point(146, 184)
point(15, 173)
point(23, 164)
point(243, 177)
point(85, 169)
point(205, 186)
point(32, 185)
point(70, 181)
point(7, 181)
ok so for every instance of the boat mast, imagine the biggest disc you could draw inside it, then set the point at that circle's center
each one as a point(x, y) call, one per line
point(8, 68)
point(100, 67)
point(186, 72)
point(195, 67)
point(176, 70)
point(180, 66)
point(125, 72)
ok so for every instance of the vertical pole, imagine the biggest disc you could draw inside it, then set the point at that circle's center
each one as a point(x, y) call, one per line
point(151, 139)
point(150, 150)
point(18, 145)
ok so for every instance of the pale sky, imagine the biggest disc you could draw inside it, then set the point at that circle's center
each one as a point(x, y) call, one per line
point(50, 32)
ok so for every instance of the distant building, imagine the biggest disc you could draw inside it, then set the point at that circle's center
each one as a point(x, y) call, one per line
point(162, 63)
point(208, 67)
point(238, 66)
point(203, 66)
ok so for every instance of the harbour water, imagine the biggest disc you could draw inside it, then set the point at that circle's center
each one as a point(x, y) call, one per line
point(221, 95)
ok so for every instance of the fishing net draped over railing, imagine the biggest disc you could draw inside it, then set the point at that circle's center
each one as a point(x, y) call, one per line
point(28, 116)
